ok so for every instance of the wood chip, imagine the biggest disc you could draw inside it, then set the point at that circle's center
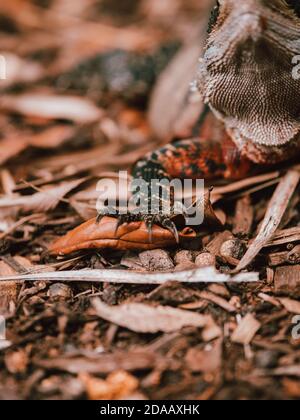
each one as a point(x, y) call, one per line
point(285, 236)
point(217, 300)
point(277, 258)
point(292, 306)
point(269, 299)
point(246, 330)
point(215, 245)
point(287, 280)
point(9, 289)
point(244, 216)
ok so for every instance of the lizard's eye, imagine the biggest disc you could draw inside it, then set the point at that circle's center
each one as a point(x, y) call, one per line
point(295, 6)
point(214, 17)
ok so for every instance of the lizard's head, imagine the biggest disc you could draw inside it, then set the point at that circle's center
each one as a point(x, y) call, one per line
point(249, 71)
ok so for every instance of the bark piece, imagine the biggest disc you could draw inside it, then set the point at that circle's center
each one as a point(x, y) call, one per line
point(244, 216)
point(287, 280)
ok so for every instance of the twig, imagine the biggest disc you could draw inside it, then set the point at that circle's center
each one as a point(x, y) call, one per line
point(273, 217)
point(205, 275)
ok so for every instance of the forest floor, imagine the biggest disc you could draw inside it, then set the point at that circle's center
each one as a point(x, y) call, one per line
point(148, 330)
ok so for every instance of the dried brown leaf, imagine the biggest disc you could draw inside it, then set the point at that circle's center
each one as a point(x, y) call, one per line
point(71, 108)
point(42, 201)
point(143, 318)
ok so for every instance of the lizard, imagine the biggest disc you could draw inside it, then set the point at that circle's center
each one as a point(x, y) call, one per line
point(247, 102)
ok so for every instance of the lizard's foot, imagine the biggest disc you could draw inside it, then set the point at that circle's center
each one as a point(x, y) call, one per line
point(164, 220)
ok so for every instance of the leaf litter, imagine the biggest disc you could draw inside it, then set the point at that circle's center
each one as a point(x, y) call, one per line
point(218, 314)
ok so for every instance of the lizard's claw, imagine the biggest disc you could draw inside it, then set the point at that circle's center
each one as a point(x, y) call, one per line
point(106, 211)
point(149, 219)
point(167, 223)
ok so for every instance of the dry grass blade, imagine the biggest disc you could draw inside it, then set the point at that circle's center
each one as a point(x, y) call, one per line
point(143, 318)
point(201, 275)
point(273, 217)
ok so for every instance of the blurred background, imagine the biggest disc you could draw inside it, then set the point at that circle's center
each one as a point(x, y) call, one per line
point(79, 74)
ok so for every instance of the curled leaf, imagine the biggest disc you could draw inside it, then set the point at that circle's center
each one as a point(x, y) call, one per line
point(104, 235)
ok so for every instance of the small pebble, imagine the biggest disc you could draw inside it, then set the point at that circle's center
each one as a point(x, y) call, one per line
point(205, 260)
point(60, 291)
point(157, 259)
point(184, 257)
point(232, 250)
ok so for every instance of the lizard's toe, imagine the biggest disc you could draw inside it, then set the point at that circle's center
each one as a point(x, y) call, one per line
point(168, 223)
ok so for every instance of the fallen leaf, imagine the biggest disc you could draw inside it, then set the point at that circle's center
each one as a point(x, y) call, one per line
point(103, 235)
point(44, 200)
point(72, 108)
point(104, 364)
point(143, 318)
